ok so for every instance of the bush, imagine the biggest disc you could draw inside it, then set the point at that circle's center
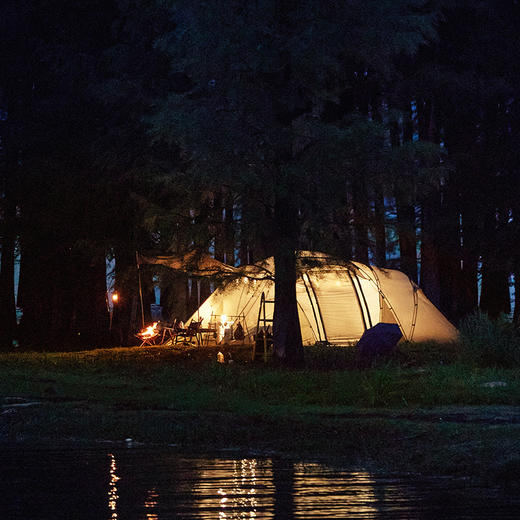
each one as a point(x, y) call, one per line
point(488, 342)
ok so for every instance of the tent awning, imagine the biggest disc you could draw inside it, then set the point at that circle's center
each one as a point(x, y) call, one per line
point(194, 263)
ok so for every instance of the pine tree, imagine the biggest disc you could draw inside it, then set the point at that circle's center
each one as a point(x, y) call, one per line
point(247, 88)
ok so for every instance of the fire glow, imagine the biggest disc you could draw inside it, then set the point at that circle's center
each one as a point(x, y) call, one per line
point(150, 331)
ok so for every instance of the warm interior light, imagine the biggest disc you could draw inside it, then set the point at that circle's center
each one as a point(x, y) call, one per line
point(115, 297)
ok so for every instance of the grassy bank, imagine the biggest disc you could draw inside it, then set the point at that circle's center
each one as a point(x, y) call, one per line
point(426, 410)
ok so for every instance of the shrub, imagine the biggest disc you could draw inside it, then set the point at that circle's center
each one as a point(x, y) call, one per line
point(489, 342)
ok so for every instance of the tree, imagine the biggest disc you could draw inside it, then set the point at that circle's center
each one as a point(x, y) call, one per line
point(16, 76)
point(248, 84)
point(61, 212)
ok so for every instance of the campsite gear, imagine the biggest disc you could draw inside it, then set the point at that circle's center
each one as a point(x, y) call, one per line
point(192, 331)
point(263, 340)
point(208, 334)
point(223, 328)
point(377, 341)
point(262, 346)
point(337, 301)
point(169, 331)
point(149, 335)
point(239, 334)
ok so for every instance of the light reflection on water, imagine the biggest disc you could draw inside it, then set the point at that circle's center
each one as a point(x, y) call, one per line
point(158, 484)
point(244, 488)
point(317, 488)
point(151, 503)
point(112, 487)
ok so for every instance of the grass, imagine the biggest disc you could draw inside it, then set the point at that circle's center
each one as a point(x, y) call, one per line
point(428, 409)
point(192, 380)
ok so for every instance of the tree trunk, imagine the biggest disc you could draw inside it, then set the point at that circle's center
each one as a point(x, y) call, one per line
point(516, 314)
point(494, 298)
point(90, 297)
point(7, 298)
point(430, 212)
point(406, 230)
point(450, 254)
point(125, 320)
point(516, 263)
point(380, 229)
point(468, 297)
point(360, 204)
point(229, 231)
point(430, 276)
point(287, 337)
point(36, 286)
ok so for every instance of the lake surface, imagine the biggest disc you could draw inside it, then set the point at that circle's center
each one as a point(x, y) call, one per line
point(120, 483)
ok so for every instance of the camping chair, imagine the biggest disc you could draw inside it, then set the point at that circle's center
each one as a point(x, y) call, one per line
point(192, 331)
point(170, 331)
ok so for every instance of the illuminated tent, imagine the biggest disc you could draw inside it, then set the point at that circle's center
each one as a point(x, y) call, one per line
point(337, 301)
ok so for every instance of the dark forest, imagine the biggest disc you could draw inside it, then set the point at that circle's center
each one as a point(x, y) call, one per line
point(378, 131)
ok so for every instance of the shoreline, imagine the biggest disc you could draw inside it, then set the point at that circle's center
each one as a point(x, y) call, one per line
point(386, 443)
point(423, 418)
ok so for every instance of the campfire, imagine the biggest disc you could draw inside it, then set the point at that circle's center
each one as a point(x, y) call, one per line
point(148, 333)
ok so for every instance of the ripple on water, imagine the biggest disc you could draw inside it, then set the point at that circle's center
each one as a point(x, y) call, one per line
point(157, 484)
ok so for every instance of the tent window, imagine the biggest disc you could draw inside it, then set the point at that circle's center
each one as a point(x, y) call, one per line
point(387, 316)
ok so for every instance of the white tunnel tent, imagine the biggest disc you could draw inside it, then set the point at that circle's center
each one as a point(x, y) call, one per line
point(336, 303)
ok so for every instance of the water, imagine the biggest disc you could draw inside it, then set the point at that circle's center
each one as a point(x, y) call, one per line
point(157, 484)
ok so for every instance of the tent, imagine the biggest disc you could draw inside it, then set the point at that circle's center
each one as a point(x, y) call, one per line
point(337, 301)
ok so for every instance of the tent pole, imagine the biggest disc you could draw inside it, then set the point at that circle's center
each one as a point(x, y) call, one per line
point(318, 307)
point(140, 286)
point(382, 296)
point(312, 306)
point(360, 289)
point(198, 299)
point(415, 308)
point(358, 300)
